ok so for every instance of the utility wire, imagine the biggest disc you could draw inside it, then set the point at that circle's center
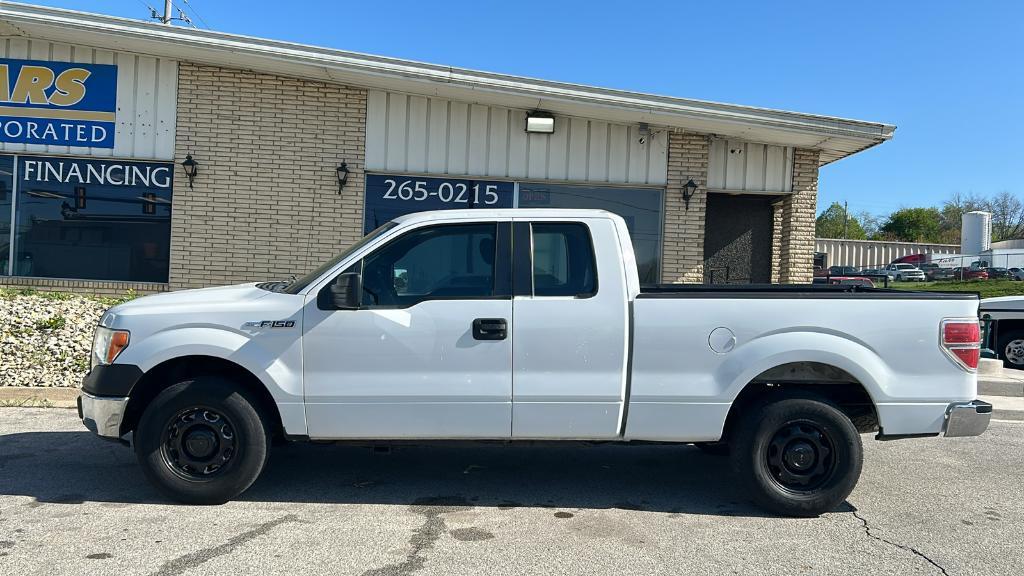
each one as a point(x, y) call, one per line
point(196, 13)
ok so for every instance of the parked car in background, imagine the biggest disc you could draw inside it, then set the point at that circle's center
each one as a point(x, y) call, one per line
point(836, 271)
point(851, 281)
point(998, 274)
point(940, 273)
point(905, 273)
point(963, 273)
point(1016, 273)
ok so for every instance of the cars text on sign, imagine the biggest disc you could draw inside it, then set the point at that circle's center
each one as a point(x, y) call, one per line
point(57, 103)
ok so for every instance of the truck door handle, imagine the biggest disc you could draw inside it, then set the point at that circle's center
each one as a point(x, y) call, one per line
point(490, 329)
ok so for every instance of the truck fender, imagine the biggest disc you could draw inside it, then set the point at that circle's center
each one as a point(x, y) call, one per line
point(749, 360)
point(279, 372)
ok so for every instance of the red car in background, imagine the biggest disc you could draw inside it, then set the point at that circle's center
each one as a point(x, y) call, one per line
point(962, 273)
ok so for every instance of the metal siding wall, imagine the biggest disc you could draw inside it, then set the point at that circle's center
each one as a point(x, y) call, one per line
point(868, 254)
point(147, 99)
point(431, 135)
point(735, 165)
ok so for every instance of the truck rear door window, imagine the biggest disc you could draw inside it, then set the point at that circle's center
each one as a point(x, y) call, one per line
point(563, 260)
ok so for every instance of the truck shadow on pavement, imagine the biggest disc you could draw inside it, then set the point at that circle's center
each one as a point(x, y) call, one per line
point(74, 467)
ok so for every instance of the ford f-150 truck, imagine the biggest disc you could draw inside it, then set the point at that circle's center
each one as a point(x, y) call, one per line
point(529, 325)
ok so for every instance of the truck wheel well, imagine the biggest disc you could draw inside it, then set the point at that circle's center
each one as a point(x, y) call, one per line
point(809, 380)
point(172, 371)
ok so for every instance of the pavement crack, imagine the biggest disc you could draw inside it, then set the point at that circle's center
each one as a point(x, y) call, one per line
point(193, 559)
point(424, 537)
point(911, 549)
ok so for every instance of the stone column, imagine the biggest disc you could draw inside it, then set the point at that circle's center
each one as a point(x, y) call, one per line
point(796, 245)
point(682, 251)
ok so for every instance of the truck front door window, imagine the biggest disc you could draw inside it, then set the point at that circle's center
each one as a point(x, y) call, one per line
point(439, 262)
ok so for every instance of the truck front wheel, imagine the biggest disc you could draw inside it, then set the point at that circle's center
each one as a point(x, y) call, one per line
point(202, 441)
point(797, 456)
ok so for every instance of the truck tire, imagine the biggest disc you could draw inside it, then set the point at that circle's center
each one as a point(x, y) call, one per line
point(1011, 349)
point(202, 441)
point(713, 448)
point(797, 456)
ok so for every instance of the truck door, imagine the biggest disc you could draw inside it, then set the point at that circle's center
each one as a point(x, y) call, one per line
point(570, 339)
point(428, 354)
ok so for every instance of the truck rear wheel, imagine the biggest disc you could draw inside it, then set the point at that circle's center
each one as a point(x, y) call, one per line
point(202, 441)
point(797, 456)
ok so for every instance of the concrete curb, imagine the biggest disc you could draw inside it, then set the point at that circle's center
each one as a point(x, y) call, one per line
point(1001, 386)
point(1006, 407)
point(19, 396)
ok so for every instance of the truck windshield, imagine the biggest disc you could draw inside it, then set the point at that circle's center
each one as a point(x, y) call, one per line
point(301, 283)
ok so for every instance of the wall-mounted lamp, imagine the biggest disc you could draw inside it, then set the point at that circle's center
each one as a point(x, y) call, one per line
point(342, 176)
point(688, 189)
point(191, 168)
point(540, 123)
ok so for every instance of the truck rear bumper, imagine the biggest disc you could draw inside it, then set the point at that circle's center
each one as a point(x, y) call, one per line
point(102, 414)
point(967, 418)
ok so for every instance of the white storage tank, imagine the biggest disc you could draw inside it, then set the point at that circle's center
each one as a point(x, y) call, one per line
point(975, 232)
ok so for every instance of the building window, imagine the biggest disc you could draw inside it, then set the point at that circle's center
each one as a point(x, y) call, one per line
point(88, 219)
point(641, 208)
point(389, 196)
point(6, 205)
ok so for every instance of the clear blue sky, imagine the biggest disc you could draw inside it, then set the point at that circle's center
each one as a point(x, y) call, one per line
point(948, 74)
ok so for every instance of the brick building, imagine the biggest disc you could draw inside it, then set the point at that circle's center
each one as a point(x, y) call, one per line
point(102, 116)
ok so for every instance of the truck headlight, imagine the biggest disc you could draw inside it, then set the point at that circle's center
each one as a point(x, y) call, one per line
point(106, 345)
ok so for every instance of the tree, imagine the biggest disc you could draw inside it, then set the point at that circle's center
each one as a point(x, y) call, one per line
point(870, 223)
point(953, 211)
point(914, 225)
point(1007, 216)
point(835, 223)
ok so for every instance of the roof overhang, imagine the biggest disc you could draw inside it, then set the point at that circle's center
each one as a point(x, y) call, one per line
point(834, 137)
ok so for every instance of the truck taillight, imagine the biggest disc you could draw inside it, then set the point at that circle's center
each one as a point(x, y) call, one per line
point(961, 341)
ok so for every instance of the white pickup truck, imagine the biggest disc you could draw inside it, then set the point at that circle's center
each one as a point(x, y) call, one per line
point(529, 325)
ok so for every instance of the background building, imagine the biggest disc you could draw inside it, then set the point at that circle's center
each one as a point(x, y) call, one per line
point(874, 253)
point(101, 113)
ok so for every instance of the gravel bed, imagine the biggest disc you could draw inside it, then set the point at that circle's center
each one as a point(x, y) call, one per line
point(45, 338)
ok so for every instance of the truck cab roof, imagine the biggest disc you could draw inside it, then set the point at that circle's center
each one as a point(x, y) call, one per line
point(491, 213)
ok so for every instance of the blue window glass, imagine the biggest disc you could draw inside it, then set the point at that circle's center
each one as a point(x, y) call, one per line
point(641, 208)
point(389, 196)
point(6, 203)
point(92, 219)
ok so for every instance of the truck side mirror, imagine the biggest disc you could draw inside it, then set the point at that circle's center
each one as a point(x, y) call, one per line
point(346, 292)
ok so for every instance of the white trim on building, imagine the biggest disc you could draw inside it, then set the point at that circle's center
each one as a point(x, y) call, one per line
point(834, 137)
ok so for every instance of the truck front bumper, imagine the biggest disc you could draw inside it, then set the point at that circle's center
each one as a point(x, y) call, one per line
point(967, 418)
point(102, 414)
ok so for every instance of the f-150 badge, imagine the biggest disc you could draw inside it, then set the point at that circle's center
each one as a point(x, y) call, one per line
point(269, 324)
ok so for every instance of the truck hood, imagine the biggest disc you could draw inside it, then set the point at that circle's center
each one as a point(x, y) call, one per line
point(216, 299)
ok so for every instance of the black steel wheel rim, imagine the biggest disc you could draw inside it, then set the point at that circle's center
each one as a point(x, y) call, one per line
point(800, 457)
point(199, 443)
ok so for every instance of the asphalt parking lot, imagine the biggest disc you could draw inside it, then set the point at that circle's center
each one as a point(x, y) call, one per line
point(71, 503)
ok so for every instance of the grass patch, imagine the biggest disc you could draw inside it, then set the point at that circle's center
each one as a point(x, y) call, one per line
point(52, 323)
point(12, 293)
point(986, 288)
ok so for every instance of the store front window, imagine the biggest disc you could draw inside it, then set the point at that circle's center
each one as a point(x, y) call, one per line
point(390, 196)
point(6, 203)
point(90, 219)
point(641, 208)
